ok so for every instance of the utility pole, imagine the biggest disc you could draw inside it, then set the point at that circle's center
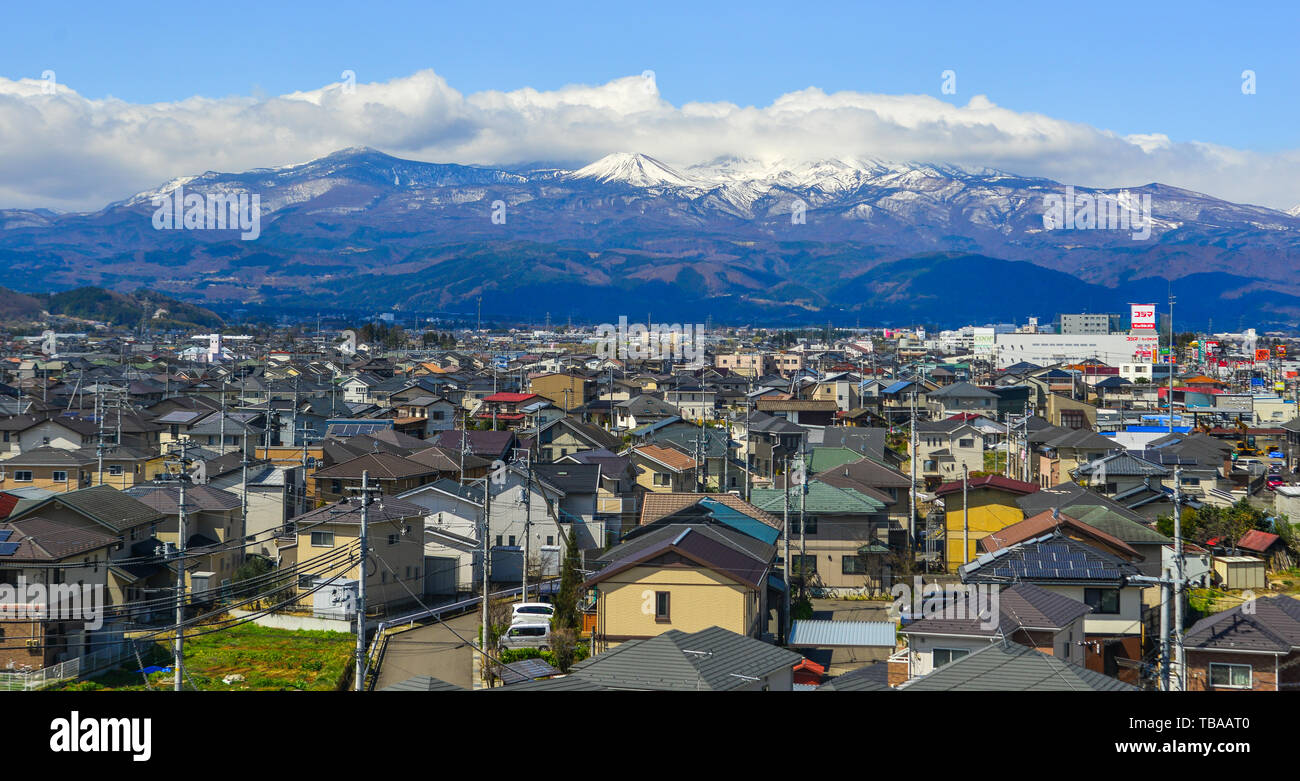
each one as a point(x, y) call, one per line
point(487, 528)
point(1180, 682)
point(803, 506)
point(1164, 631)
point(749, 458)
point(178, 647)
point(366, 490)
point(528, 514)
point(965, 516)
point(785, 543)
point(1172, 358)
point(222, 413)
point(911, 491)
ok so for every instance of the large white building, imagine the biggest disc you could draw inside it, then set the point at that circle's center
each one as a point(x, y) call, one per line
point(1047, 349)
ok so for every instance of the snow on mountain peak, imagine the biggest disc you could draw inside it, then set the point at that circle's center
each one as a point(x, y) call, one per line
point(637, 170)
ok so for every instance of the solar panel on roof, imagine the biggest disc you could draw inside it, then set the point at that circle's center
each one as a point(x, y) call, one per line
point(8, 548)
point(4, 534)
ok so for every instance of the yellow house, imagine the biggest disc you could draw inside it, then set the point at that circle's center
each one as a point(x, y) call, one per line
point(328, 539)
point(566, 391)
point(683, 578)
point(992, 507)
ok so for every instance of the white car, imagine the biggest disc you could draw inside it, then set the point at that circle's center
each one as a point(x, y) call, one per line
point(529, 634)
point(531, 612)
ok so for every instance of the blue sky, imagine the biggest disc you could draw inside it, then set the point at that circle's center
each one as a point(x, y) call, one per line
point(1099, 94)
point(1172, 68)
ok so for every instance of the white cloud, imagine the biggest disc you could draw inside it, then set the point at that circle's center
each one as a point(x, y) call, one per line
point(66, 152)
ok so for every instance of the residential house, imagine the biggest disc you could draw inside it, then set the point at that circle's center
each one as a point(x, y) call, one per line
point(1083, 572)
point(1254, 646)
point(963, 624)
point(982, 506)
point(327, 542)
point(684, 579)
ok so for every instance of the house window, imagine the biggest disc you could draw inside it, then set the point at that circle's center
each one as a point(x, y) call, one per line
point(115, 470)
point(803, 565)
point(967, 443)
point(499, 539)
point(512, 540)
point(661, 606)
point(661, 478)
point(322, 539)
point(809, 525)
point(336, 486)
point(1230, 676)
point(943, 656)
point(1102, 600)
point(392, 539)
point(23, 476)
point(852, 565)
point(550, 539)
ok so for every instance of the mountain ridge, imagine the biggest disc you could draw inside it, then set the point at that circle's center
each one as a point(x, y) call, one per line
point(770, 234)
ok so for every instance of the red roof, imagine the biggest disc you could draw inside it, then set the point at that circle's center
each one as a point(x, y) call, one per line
point(1257, 540)
point(510, 398)
point(7, 502)
point(966, 416)
point(988, 481)
point(808, 672)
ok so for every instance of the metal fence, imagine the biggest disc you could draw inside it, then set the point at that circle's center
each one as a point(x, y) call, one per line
point(72, 669)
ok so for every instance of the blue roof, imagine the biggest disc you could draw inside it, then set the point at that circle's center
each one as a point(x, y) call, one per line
point(898, 386)
point(728, 516)
point(820, 633)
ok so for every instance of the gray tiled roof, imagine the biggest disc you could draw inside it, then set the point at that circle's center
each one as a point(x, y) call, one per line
point(1013, 667)
point(103, 504)
point(423, 683)
point(1274, 626)
point(871, 678)
point(662, 663)
point(1022, 605)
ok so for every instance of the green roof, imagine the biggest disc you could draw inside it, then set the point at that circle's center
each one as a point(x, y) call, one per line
point(1107, 520)
point(822, 498)
point(823, 458)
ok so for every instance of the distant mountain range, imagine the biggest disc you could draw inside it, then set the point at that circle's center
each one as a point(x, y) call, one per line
point(878, 242)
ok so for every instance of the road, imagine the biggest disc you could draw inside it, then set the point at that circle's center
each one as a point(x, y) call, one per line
point(432, 650)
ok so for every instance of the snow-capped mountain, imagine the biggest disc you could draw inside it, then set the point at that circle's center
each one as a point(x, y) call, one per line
point(811, 235)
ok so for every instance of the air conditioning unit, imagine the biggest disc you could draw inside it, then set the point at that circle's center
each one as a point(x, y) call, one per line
point(34, 643)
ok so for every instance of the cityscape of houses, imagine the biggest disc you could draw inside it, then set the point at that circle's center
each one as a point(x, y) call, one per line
point(1093, 503)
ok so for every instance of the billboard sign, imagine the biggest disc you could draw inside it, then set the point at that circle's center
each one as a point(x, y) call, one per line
point(1262, 354)
point(1142, 317)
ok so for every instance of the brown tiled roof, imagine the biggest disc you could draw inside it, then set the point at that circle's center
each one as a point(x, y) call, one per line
point(1043, 523)
point(660, 505)
point(667, 456)
point(42, 539)
point(988, 481)
point(799, 405)
point(381, 466)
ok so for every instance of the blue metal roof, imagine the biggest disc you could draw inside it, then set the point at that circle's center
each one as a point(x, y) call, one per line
point(742, 523)
point(898, 386)
point(820, 633)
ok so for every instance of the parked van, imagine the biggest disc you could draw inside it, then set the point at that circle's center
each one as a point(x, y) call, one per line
point(530, 635)
point(531, 612)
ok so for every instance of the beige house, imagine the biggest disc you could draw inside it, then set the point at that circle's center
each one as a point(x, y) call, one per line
point(680, 577)
point(327, 543)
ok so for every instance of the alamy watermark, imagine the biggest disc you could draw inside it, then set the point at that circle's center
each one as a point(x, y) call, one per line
point(24, 601)
point(952, 602)
point(655, 341)
point(214, 211)
point(1084, 211)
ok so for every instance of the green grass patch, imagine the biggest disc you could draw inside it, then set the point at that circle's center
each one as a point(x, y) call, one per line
point(269, 659)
